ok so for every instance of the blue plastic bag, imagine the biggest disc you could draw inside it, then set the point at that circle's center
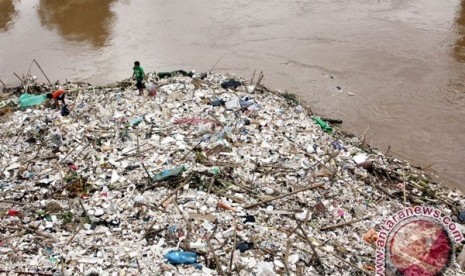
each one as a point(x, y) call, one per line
point(64, 110)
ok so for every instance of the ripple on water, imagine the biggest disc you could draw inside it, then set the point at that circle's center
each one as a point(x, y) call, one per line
point(454, 93)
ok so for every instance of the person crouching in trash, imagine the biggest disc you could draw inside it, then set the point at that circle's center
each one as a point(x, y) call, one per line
point(57, 95)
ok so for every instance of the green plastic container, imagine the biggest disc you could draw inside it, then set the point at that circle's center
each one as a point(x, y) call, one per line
point(27, 100)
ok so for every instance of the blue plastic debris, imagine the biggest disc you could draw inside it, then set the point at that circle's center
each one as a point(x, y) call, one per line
point(136, 121)
point(169, 173)
point(461, 216)
point(183, 257)
point(244, 246)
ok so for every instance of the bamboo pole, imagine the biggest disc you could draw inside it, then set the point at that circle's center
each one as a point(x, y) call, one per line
point(20, 79)
point(284, 195)
point(214, 65)
point(330, 227)
point(42, 71)
point(4, 86)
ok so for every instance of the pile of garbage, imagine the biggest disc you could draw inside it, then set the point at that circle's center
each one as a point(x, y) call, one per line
point(207, 176)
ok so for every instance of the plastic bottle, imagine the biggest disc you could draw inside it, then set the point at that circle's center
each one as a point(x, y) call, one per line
point(181, 257)
point(136, 121)
point(168, 173)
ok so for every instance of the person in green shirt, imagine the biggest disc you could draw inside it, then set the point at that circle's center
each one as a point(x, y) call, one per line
point(139, 75)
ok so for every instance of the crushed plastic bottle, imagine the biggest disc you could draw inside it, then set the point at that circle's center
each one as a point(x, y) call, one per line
point(169, 173)
point(136, 121)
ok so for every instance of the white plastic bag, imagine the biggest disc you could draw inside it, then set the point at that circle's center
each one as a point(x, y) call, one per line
point(151, 89)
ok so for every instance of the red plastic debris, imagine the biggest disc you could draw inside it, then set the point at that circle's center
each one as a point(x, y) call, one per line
point(73, 167)
point(13, 213)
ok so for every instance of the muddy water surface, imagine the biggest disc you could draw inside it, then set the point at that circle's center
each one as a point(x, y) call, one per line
point(403, 60)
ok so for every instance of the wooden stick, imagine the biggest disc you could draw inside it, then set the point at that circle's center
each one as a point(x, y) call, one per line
point(234, 247)
point(286, 256)
point(216, 119)
point(336, 256)
point(62, 266)
point(284, 195)
point(312, 246)
point(41, 245)
point(74, 235)
point(20, 79)
point(154, 232)
point(404, 189)
point(305, 238)
point(337, 225)
point(43, 72)
point(364, 134)
point(12, 202)
point(253, 76)
point(35, 231)
point(176, 190)
point(217, 261)
point(71, 151)
point(83, 149)
point(350, 264)
point(4, 86)
point(137, 141)
point(129, 155)
point(192, 149)
point(332, 121)
point(10, 272)
point(214, 65)
point(260, 77)
point(15, 250)
point(147, 172)
point(188, 224)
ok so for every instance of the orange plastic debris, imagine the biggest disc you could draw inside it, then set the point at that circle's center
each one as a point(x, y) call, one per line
point(369, 267)
point(371, 236)
point(225, 206)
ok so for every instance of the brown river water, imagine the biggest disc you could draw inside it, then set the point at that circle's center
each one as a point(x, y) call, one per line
point(403, 61)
